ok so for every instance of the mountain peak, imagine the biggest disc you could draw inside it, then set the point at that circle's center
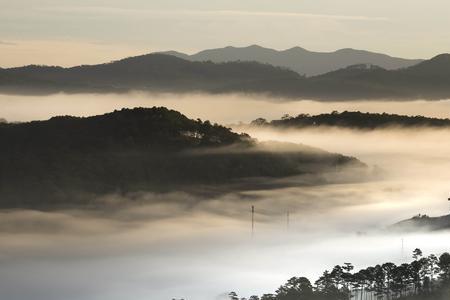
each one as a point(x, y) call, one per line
point(441, 58)
point(295, 49)
point(346, 50)
point(254, 46)
point(437, 66)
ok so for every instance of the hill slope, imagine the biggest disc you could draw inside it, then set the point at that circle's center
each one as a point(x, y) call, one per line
point(69, 160)
point(298, 59)
point(429, 79)
point(155, 72)
point(422, 223)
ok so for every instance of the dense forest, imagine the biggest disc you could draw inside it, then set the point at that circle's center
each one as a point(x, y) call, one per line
point(425, 278)
point(353, 120)
point(429, 79)
point(69, 160)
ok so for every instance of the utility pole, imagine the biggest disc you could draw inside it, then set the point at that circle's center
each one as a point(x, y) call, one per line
point(287, 220)
point(253, 220)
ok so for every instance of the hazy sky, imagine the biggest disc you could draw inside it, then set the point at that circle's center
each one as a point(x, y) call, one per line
point(71, 32)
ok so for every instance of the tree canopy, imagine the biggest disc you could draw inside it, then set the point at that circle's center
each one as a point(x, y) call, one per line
point(425, 278)
point(354, 120)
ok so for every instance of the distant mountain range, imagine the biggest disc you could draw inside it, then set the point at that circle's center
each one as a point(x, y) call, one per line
point(353, 120)
point(429, 79)
point(300, 60)
point(70, 161)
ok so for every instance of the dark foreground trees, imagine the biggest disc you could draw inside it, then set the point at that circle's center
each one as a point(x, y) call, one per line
point(425, 278)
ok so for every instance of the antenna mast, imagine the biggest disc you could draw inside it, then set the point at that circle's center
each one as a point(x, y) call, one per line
point(253, 220)
point(287, 220)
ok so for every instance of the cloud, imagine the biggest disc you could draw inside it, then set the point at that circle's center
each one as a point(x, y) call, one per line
point(290, 14)
point(163, 246)
point(145, 249)
point(5, 43)
point(199, 13)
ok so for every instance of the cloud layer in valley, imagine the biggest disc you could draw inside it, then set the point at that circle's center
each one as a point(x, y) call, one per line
point(179, 245)
point(221, 109)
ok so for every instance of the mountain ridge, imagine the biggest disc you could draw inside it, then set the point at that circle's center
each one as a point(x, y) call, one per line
point(298, 59)
point(166, 73)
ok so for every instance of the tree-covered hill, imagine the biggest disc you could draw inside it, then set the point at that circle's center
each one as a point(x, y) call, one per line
point(139, 128)
point(354, 120)
point(151, 72)
point(166, 73)
point(429, 79)
point(68, 160)
point(422, 223)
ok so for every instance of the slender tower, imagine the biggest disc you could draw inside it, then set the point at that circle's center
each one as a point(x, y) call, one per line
point(287, 220)
point(253, 220)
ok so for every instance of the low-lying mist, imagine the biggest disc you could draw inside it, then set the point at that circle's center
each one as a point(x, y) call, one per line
point(171, 245)
point(224, 109)
point(162, 251)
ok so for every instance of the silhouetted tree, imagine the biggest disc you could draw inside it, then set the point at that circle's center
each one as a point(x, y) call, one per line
point(444, 265)
point(233, 296)
point(268, 297)
point(296, 288)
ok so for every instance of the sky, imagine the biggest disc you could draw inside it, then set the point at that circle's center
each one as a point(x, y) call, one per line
point(72, 32)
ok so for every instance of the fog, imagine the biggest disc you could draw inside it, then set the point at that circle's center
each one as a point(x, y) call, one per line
point(175, 245)
point(224, 109)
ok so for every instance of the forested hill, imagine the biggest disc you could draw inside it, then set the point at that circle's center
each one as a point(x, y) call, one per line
point(151, 72)
point(166, 73)
point(354, 120)
point(155, 129)
point(422, 223)
point(70, 160)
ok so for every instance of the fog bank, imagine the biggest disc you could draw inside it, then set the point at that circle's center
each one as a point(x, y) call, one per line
point(174, 245)
point(224, 109)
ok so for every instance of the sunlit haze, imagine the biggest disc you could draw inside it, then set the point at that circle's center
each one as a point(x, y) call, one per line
point(85, 32)
point(305, 156)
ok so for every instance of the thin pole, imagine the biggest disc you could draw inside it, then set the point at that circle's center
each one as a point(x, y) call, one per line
point(287, 220)
point(253, 220)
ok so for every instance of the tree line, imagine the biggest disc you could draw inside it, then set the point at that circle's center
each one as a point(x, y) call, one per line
point(353, 119)
point(426, 277)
